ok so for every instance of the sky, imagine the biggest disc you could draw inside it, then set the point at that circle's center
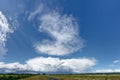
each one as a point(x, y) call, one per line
point(59, 36)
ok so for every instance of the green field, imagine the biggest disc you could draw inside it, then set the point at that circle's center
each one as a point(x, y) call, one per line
point(61, 77)
point(14, 76)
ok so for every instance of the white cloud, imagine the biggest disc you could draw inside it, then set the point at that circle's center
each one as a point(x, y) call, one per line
point(12, 67)
point(34, 13)
point(4, 31)
point(50, 64)
point(64, 31)
point(107, 70)
point(112, 65)
point(116, 61)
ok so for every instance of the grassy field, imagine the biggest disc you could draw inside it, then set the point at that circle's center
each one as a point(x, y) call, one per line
point(14, 76)
point(76, 77)
point(38, 77)
point(61, 77)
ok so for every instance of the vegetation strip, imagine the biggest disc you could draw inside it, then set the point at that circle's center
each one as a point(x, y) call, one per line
point(60, 77)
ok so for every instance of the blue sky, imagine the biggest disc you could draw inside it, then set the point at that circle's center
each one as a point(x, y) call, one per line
point(85, 32)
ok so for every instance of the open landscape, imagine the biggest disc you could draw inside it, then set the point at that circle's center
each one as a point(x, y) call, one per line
point(59, 39)
point(60, 76)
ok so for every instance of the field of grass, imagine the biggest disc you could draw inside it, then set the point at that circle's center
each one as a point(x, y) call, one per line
point(14, 76)
point(38, 77)
point(76, 77)
point(88, 77)
point(61, 77)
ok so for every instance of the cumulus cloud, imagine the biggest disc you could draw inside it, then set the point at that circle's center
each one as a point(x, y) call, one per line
point(4, 31)
point(50, 64)
point(11, 67)
point(63, 29)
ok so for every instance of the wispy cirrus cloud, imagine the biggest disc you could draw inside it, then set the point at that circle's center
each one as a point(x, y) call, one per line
point(4, 31)
point(63, 29)
point(50, 64)
point(34, 13)
point(115, 63)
